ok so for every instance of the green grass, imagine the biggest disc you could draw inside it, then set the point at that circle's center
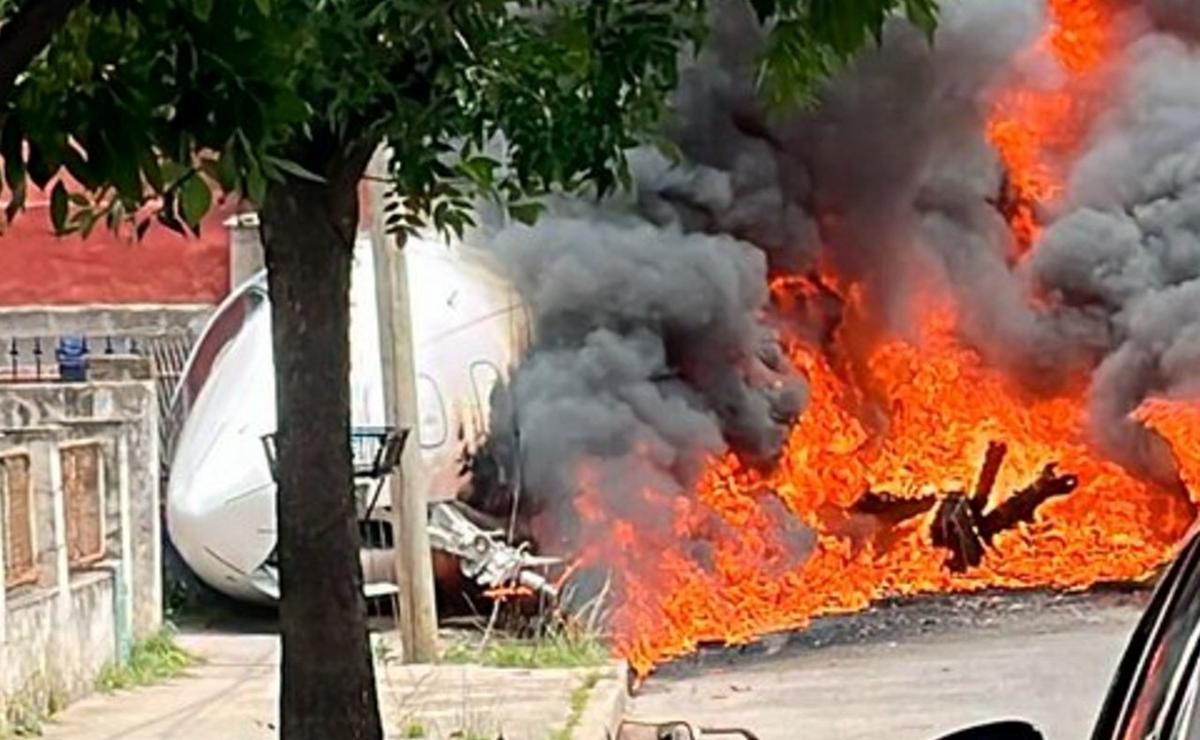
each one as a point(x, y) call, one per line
point(579, 702)
point(414, 729)
point(28, 708)
point(155, 659)
point(23, 723)
point(547, 652)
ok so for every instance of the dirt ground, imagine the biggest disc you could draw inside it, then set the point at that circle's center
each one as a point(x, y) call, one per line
point(911, 671)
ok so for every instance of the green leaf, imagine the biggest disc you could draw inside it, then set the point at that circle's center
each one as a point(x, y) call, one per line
point(290, 107)
point(39, 169)
point(527, 213)
point(202, 9)
point(293, 169)
point(12, 143)
point(226, 171)
point(264, 6)
point(59, 207)
point(16, 201)
point(153, 172)
point(172, 172)
point(81, 170)
point(923, 14)
point(194, 200)
point(256, 184)
point(87, 221)
point(480, 170)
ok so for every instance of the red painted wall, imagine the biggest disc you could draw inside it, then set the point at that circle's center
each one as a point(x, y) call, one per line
point(39, 268)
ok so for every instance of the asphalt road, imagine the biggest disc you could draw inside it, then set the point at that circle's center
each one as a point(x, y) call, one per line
point(911, 672)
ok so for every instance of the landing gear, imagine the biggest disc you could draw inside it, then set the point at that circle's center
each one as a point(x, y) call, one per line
point(484, 555)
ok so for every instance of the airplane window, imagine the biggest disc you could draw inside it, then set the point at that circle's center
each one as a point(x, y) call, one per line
point(431, 426)
point(484, 376)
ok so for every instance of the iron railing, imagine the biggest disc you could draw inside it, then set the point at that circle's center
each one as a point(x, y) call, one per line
point(33, 359)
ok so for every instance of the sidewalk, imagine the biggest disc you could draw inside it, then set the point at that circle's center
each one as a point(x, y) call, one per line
point(233, 696)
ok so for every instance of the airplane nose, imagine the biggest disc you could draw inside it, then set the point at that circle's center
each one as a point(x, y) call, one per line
point(221, 495)
point(223, 507)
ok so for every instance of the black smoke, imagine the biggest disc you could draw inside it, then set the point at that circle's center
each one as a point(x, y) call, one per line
point(654, 344)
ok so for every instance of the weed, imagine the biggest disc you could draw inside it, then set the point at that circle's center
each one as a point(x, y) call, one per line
point(384, 652)
point(557, 651)
point(476, 727)
point(27, 709)
point(579, 702)
point(154, 659)
point(414, 729)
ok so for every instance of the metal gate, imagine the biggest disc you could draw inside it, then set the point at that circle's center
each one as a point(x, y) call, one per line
point(169, 355)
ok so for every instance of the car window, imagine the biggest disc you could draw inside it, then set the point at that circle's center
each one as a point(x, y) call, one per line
point(1170, 663)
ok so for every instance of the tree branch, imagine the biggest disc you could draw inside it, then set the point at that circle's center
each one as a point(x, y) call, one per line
point(28, 34)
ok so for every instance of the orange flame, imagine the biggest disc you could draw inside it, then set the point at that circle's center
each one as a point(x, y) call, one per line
point(907, 417)
point(727, 573)
point(504, 593)
point(1179, 423)
point(1033, 129)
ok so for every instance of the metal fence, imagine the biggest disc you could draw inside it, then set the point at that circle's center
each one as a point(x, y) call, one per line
point(169, 354)
point(35, 360)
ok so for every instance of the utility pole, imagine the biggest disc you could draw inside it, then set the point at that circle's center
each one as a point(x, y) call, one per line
point(417, 619)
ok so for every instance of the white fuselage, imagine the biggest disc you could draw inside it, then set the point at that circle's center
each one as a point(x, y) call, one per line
point(467, 328)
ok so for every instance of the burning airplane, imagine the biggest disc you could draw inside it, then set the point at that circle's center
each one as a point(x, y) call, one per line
point(937, 332)
point(467, 328)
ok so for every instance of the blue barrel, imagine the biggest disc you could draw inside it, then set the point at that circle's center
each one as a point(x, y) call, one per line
point(72, 359)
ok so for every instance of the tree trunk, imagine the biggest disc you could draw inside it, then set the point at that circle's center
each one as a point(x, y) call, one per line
point(328, 687)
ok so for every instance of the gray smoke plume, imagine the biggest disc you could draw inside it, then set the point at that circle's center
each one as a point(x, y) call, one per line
point(892, 181)
point(650, 355)
point(1179, 16)
point(1128, 243)
point(653, 348)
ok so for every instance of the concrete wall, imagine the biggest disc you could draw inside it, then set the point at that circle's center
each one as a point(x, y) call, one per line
point(57, 633)
point(51, 655)
point(107, 411)
point(39, 267)
point(140, 321)
point(245, 249)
